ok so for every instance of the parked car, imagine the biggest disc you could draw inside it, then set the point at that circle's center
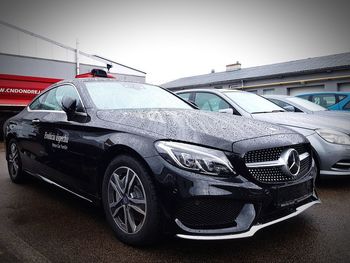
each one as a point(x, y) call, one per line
point(329, 137)
point(156, 163)
point(329, 100)
point(295, 104)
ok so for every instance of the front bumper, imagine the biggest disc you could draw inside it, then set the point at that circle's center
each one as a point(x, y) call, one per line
point(253, 229)
point(225, 208)
point(330, 155)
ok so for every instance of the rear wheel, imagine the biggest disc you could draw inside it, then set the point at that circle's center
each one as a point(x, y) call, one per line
point(14, 162)
point(130, 201)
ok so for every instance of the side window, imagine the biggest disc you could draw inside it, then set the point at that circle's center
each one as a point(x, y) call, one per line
point(51, 100)
point(341, 97)
point(280, 103)
point(69, 91)
point(185, 96)
point(324, 100)
point(305, 97)
point(285, 105)
point(38, 103)
point(347, 106)
point(210, 102)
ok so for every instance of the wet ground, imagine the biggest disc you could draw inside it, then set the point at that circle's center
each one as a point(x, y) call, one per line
point(39, 223)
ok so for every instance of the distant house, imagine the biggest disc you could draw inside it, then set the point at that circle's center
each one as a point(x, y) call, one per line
point(326, 73)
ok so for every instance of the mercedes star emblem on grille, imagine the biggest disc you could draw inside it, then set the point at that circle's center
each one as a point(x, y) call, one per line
point(291, 161)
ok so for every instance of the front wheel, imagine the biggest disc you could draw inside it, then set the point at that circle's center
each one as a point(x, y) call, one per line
point(130, 201)
point(14, 162)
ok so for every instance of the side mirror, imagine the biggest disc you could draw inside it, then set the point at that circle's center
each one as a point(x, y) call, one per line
point(69, 106)
point(228, 110)
point(289, 108)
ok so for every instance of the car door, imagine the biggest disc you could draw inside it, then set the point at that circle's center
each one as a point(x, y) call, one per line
point(30, 137)
point(62, 141)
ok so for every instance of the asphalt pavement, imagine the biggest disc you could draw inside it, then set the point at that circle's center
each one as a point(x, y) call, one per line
point(39, 223)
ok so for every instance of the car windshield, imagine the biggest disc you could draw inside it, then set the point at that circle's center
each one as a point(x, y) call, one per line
point(108, 95)
point(252, 103)
point(306, 104)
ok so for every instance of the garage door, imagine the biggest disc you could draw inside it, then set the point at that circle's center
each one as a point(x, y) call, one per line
point(300, 90)
point(344, 87)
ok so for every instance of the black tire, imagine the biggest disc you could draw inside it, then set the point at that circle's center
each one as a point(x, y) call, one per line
point(318, 176)
point(140, 229)
point(317, 167)
point(14, 163)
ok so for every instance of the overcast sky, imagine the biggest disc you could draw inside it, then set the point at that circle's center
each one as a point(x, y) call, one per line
point(173, 39)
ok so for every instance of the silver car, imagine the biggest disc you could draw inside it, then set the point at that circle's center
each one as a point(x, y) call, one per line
point(295, 104)
point(329, 136)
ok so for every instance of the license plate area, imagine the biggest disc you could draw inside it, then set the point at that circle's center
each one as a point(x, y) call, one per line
point(291, 194)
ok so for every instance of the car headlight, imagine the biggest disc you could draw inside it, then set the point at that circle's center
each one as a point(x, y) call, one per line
point(334, 136)
point(195, 158)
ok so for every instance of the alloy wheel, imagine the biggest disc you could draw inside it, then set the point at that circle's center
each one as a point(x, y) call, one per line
point(13, 160)
point(127, 200)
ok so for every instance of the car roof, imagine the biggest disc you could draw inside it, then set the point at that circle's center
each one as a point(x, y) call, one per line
point(277, 96)
point(325, 92)
point(209, 90)
point(97, 79)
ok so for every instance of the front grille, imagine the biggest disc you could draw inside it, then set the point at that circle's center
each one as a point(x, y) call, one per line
point(272, 154)
point(209, 213)
point(275, 174)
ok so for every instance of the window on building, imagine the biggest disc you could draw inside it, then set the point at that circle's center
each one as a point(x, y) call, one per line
point(233, 86)
point(344, 87)
point(253, 91)
point(268, 91)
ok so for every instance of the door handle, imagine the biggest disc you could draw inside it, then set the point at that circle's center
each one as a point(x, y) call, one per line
point(35, 121)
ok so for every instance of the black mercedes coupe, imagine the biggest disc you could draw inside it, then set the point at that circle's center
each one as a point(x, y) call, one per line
point(157, 164)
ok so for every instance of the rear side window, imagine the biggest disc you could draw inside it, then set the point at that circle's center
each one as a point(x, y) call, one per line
point(210, 102)
point(185, 96)
point(324, 100)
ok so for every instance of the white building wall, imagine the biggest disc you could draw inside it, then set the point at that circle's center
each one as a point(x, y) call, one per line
point(29, 51)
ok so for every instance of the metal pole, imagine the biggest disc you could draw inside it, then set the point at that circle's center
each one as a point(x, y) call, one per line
point(77, 57)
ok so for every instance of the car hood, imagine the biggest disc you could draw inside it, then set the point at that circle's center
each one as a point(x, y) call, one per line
point(337, 114)
point(217, 130)
point(306, 121)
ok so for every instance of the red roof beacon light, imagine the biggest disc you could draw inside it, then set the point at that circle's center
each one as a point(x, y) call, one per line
point(95, 73)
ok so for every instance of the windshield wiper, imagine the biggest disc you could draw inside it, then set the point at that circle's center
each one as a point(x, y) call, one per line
point(257, 112)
